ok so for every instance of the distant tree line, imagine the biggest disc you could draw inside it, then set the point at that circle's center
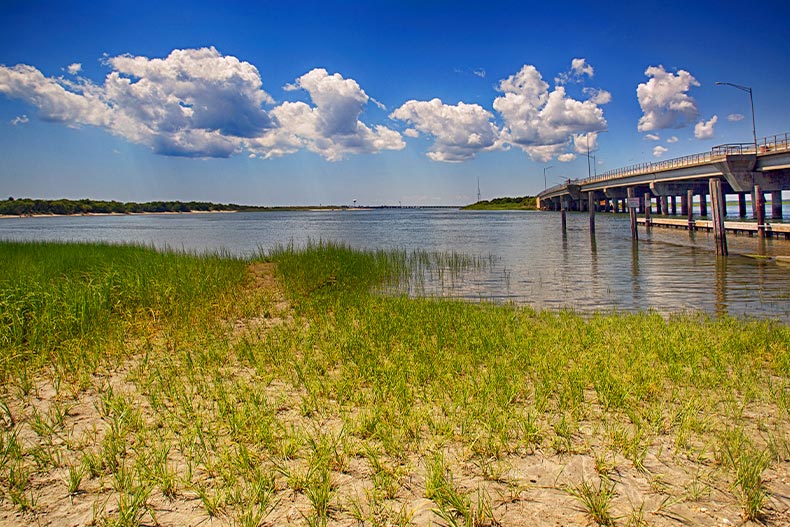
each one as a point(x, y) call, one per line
point(506, 203)
point(27, 207)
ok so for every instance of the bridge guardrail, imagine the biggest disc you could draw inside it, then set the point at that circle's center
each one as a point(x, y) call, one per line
point(766, 145)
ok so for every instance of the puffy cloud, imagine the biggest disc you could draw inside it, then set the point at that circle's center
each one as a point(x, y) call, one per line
point(200, 103)
point(653, 137)
point(704, 130)
point(584, 142)
point(735, 117)
point(673, 139)
point(330, 128)
point(566, 157)
point(75, 68)
point(598, 96)
point(21, 119)
point(579, 68)
point(191, 90)
point(460, 131)
point(56, 99)
point(541, 122)
point(480, 72)
point(664, 101)
point(659, 151)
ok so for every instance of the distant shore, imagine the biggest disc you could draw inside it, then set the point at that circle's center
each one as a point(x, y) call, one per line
point(8, 216)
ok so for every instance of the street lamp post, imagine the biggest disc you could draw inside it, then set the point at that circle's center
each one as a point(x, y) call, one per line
point(751, 100)
point(545, 186)
point(588, 150)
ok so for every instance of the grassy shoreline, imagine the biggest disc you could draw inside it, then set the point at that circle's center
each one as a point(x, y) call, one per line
point(140, 387)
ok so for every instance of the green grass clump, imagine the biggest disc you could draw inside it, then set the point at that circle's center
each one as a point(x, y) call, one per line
point(65, 304)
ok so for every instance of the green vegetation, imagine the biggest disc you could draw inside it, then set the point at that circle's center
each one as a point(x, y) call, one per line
point(139, 387)
point(522, 203)
point(28, 207)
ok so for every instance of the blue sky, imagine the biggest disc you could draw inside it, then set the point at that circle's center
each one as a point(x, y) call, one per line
point(382, 102)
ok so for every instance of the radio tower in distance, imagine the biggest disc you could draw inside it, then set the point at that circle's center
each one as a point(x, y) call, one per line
point(478, 189)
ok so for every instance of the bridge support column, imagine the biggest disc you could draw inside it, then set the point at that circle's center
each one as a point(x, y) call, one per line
point(690, 210)
point(742, 205)
point(684, 203)
point(758, 202)
point(673, 205)
point(562, 215)
point(759, 210)
point(776, 205)
point(717, 207)
point(703, 205)
point(664, 205)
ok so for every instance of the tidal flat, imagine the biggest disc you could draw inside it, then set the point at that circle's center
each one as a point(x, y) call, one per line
point(299, 387)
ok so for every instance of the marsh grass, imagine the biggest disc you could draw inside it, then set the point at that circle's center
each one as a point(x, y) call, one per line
point(596, 499)
point(173, 377)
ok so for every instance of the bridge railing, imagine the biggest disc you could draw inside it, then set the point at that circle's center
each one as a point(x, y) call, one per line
point(766, 145)
point(774, 143)
point(732, 149)
point(655, 166)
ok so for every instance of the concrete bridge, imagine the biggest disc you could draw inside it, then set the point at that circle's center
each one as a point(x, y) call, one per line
point(741, 169)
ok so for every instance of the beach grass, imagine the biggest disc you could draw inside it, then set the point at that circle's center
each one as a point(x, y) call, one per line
point(305, 387)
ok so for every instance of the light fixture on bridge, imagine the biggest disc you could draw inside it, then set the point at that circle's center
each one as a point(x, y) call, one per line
point(545, 186)
point(751, 100)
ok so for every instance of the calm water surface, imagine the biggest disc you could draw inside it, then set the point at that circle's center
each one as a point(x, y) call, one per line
point(533, 263)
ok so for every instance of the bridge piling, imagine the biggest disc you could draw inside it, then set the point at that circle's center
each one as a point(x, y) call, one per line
point(648, 207)
point(591, 209)
point(717, 206)
point(673, 205)
point(664, 206)
point(742, 205)
point(703, 205)
point(684, 204)
point(759, 209)
point(562, 215)
point(632, 214)
point(776, 204)
point(690, 209)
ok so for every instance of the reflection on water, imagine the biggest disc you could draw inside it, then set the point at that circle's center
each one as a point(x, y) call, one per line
point(667, 270)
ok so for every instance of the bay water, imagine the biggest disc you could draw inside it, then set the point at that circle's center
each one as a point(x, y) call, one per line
point(528, 259)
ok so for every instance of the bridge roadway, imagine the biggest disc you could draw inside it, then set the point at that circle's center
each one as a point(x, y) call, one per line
point(740, 168)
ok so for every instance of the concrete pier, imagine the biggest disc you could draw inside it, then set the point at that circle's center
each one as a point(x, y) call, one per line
point(776, 204)
point(742, 205)
point(718, 206)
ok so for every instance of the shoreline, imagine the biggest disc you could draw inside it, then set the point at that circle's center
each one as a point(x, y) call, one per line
point(9, 216)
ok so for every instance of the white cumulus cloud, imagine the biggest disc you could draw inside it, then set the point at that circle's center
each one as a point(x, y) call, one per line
point(664, 99)
point(653, 137)
point(20, 119)
point(75, 68)
point(703, 129)
point(597, 96)
point(200, 103)
point(566, 157)
point(584, 142)
point(541, 122)
point(673, 139)
point(579, 69)
point(460, 131)
point(331, 127)
point(659, 151)
point(735, 117)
